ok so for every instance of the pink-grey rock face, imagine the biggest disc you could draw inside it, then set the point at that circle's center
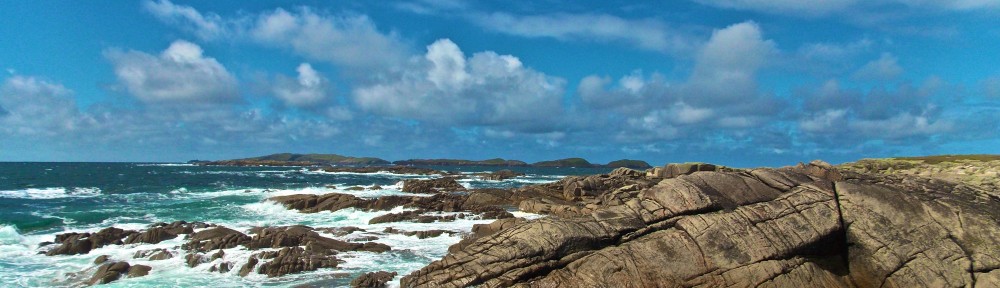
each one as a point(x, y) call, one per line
point(804, 226)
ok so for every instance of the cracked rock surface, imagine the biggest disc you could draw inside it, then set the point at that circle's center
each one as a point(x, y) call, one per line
point(805, 226)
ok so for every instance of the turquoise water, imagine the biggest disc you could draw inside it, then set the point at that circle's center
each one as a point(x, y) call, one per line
point(40, 200)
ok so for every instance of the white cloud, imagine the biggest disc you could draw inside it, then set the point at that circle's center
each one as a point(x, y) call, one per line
point(847, 116)
point(204, 26)
point(886, 67)
point(180, 74)
point(792, 7)
point(837, 7)
point(721, 91)
point(646, 34)
point(308, 89)
point(351, 40)
point(447, 87)
point(726, 68)
point(37, 107)
point(834, 51)
point(347, 40)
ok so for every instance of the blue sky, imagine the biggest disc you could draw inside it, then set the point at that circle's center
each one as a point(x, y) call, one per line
point(737, 82)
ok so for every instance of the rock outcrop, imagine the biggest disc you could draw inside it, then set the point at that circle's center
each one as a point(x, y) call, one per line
point(112, 271)
point(82, 243)
point(809, 225)
point(445, 184)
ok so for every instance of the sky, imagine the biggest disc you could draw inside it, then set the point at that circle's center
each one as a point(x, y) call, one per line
point(736, 82)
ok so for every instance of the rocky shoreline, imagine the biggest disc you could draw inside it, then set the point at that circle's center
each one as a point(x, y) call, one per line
point(678, 225)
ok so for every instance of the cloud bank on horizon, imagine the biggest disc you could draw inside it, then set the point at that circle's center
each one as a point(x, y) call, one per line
point(735, 82)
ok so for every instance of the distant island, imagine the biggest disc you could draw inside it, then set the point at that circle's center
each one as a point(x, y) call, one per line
point(291, 159)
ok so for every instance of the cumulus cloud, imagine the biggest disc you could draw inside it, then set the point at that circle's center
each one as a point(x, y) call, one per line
point(726, 68)
point(306, 90)
point(445, 86)
point(833, 113)
point(350, 40)
point(646, 34)
point(36, 107)
point(886, 67)
point(179, 74)
point(720, 93)
point(347, 40)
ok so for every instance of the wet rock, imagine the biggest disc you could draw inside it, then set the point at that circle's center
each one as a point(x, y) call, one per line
point(101, 259)
point(82, 243)
point(218, 255)
point(248, 267)
point(295, 260)
point(446, 184)
point(373, 279)
point(194, 259)
point(224, 267)
point(138, 271)
point(109, 272)
point(499, 175)
point(162, 255)
point(215, 238)
point(159, 232)
point(295, 236)
point(419, 234)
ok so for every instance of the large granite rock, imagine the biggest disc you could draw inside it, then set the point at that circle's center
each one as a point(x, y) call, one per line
point(82, 243)
point(809, 225)
point(445, 184)
point(290, 260)
point(214, 239)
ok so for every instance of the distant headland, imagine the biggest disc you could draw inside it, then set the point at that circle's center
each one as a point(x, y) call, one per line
point(291, 159)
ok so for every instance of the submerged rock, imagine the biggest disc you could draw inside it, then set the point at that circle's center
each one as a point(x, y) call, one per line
point(373, 279)
point(109, 272)
point(499, 175)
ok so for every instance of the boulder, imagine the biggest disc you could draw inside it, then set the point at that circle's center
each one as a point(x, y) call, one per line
point(82, 243)
point(215, 238)
point(294, 260)
point(163, 231)
point(373, 279)
point(109, 272)
point(248, 267)
point(101, 259)
point(138, 271)
point(445, 184)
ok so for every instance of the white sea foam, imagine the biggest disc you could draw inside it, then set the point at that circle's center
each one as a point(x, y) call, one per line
point(166, 165)
point(51, 193)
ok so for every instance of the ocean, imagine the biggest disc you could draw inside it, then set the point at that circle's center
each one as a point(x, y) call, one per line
point(40, 200)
